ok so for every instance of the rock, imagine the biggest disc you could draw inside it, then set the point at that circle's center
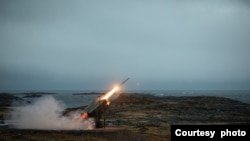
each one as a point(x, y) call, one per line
point(32, 95)
point(9, 99)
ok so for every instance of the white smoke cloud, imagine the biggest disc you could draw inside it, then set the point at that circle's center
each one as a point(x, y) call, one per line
point(46, 113)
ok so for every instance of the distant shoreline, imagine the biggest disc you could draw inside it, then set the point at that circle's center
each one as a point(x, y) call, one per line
point(40, 93)
point(91, 93)
point(240, 95)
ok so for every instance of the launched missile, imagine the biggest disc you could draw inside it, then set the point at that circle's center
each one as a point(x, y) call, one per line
point(123, 82)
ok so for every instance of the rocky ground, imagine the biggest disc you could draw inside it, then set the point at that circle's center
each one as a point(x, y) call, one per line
point(7, 100)
point(146, 117)
point(152, 115)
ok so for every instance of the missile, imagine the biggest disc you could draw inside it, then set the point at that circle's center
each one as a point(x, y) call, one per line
point(123, 82)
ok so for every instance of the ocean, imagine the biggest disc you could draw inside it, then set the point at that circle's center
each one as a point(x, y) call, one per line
point(69, 100)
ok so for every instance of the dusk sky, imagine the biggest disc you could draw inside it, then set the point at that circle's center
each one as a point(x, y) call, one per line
point(93, 44)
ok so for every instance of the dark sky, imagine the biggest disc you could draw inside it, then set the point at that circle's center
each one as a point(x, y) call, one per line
point(93, 44)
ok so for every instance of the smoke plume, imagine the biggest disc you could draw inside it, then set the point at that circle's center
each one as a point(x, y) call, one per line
point(46, 113)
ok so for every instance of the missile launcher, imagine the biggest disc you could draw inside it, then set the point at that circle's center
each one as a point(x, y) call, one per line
point(99, 106)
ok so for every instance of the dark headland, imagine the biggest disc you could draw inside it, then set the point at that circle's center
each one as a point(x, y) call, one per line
point(140, 117)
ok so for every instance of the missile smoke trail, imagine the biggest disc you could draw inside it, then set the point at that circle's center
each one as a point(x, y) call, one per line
point(46, 113)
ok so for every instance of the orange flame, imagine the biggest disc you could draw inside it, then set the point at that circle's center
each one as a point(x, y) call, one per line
point(83, 116)
point(108, 102)
point(110, 93)
point(105, 97)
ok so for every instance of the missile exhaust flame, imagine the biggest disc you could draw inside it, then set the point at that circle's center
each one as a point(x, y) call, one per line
point(110, 93)
point(83, 116)
point(98, 106)
point(104, 97)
